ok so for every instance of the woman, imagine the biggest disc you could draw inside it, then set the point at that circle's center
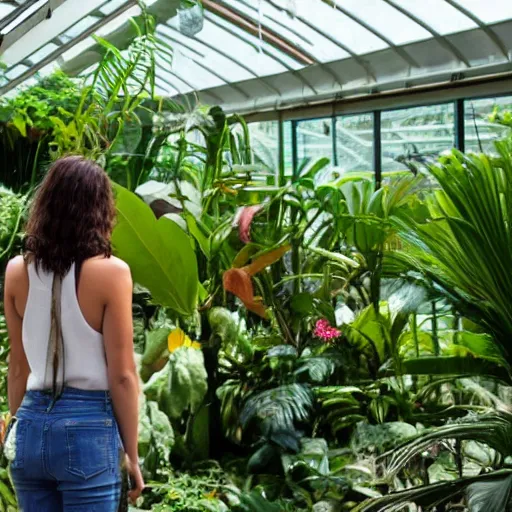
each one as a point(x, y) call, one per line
point(72, 381)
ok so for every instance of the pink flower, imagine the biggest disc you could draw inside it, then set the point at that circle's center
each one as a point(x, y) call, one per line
point(244, 221)
point(325, 331)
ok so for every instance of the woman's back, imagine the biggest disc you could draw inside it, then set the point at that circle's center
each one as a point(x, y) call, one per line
point(84, 360)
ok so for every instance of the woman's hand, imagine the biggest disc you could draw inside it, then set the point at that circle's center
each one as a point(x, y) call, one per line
point(136, 480)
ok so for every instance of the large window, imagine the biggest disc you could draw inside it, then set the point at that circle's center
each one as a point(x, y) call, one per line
point(410, 137)
point(265, 143)
point(314, 139)
point(354, 142)
point(416, 134)
point(479, 131)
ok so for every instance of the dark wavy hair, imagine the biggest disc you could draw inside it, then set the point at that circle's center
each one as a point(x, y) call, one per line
point(72, 216)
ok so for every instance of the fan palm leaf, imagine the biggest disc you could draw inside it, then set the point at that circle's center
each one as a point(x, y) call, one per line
point(493, 489)
point(466, 249)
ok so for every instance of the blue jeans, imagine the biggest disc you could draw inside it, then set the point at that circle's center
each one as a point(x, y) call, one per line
point(68, 454)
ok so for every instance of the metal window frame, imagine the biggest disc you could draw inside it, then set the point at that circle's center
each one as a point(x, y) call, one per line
point(295, 163)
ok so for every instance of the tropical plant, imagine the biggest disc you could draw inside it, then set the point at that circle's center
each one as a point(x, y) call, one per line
point(12, 212)
point(159, 253)
point(464, 252)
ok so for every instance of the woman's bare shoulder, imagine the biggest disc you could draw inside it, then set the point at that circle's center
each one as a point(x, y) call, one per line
point(16, 277)
point(106, 269)
point(16, 269)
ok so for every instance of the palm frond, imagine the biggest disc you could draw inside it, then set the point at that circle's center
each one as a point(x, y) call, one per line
point(466, 250)
point(278, 409)
point(493, 429)
point(492, 488)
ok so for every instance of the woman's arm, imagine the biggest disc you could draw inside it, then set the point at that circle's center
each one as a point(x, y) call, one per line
point(122, 371)
point(18, 370)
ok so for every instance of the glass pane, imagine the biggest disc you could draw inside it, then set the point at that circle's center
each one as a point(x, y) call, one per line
point(314, 139)
point(259, 46)
point(342, 28)
point(118, 21)
point(390, 22)
point(265, 143)
point(287, 150)
point(290, 27)
point(5, 10)
point(438, 14)
point(490, 11)
point(16, 71)
point(43, 52)
point(479, 131)
point(354, 142)
point(416, 134)
point(80, 27)
point(111, 6)
point(239, 49)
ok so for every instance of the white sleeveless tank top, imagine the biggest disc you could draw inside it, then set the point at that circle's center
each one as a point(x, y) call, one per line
point(84, 351)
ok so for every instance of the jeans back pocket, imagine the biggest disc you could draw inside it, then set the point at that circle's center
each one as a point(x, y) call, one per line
point(91, 447)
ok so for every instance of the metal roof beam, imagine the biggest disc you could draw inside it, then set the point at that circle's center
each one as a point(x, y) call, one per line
point(486, 28)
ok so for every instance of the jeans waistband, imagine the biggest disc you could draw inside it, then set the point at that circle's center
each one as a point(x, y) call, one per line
point(70, 398)
point(69, 393)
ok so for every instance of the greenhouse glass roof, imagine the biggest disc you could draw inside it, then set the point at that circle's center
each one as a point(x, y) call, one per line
point(251, 55)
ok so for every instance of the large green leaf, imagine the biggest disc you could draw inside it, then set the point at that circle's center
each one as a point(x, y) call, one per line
point(429, 496)
point(187, 381)
point(159, 253)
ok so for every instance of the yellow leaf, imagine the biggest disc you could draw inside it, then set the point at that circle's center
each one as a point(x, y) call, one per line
point(177, 339)
point(173, 495)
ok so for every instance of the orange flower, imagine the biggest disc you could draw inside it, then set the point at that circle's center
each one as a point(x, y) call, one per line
point(238, 281)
